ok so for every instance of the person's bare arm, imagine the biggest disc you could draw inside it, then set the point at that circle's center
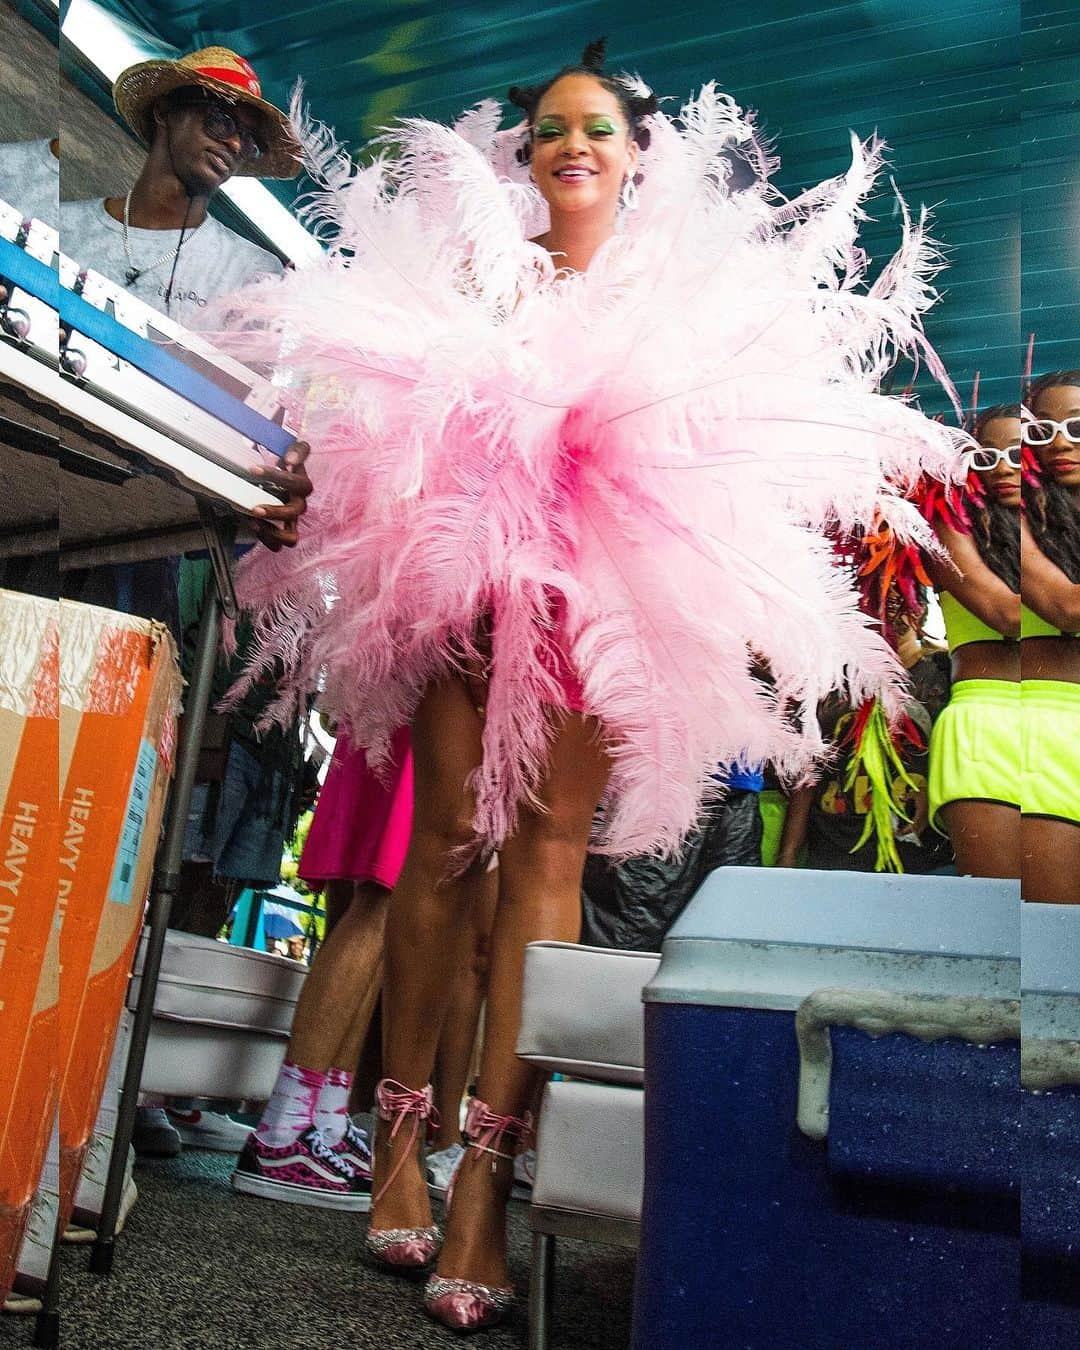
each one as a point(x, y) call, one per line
point(1045, 587)
point(922, 811)
point(978, 589)
point(796, 822)
point(912, 832)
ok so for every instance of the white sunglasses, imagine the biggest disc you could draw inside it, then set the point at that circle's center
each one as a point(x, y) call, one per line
point(988, 457)
point(1043, 430)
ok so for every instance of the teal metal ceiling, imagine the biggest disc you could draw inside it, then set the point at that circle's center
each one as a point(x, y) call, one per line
point(1050, 181)
point(979, 101)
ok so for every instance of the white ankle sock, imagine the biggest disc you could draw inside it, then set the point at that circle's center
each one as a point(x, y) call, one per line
point(332, 1112)
point(291, 1108)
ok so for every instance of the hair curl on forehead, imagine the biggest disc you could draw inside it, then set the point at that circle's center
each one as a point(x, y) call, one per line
point(635, 106)
point(1056, 379)
point(989, 415)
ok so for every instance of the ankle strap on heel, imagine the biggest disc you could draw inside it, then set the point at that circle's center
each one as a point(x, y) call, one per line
point(486, 1131)
point(395, 1101)
point(398, 1103)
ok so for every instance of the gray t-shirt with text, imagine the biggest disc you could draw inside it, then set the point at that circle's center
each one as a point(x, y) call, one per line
point(213, 261)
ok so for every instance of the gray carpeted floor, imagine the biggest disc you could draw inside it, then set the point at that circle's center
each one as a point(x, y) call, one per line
point(198, 1266)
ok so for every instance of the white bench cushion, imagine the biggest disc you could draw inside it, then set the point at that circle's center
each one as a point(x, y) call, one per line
point(212, 983)
point(582, 1012)
point(590, 1151)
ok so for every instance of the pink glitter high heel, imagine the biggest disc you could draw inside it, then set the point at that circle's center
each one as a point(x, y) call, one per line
point(409, 1250)
point(464, 1305)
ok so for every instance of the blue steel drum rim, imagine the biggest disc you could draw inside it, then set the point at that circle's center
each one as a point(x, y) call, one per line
point(122, 342)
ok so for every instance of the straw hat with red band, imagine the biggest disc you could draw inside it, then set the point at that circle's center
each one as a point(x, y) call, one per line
point(219, 71)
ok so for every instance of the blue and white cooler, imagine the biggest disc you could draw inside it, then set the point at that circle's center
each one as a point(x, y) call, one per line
point(1050, 1115)
point(833, 1117)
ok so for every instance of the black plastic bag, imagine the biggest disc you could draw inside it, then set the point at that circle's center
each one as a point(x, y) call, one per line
point(631, 905)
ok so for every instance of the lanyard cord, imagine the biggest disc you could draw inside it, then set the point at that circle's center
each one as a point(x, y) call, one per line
point(176, 255)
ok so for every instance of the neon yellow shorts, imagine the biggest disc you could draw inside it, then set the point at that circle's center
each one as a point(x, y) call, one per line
point(772, 805)
point(1050, 750)
point(975, 746)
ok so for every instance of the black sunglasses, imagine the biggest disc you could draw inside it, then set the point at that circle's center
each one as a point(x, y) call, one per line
point(220, 123)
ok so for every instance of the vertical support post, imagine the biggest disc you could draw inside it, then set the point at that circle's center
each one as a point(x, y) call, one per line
point(47, 1323)
point(254, 912)
point(166, 882)
point(541, 1290)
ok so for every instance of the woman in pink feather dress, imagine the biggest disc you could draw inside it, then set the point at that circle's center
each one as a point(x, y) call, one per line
point(583, 153)
point(583, 445)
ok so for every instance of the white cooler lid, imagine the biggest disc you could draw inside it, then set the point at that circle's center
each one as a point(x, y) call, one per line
point(767, 937)
point(1050, 971)
point(1051, 949)
point(211, 983)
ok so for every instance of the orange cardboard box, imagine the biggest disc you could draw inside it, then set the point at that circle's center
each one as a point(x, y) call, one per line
point(119, 698)
point(29, 954)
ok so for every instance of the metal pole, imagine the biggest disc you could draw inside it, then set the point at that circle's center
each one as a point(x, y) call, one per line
point(166, 883)
point(254, 910)
point(47, 1323)
point(541, 1283)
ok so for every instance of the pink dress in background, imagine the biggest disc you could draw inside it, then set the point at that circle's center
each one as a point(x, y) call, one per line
point(362, 824)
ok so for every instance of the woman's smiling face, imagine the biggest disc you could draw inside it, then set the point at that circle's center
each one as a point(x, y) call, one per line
point(1003, 481)
point(1060, 457)
point(582, 150)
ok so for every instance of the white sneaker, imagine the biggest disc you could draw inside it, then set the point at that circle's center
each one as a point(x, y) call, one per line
point(524, 1171)
point(20, 1303)
point(441, 1166)
point(86, 1212)
point(32, 1267)
point(209, 1129)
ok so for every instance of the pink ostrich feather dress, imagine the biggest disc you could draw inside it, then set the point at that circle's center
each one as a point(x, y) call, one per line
point(623, 475)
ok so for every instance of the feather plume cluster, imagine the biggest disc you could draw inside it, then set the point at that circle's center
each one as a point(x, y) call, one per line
point(630, 471)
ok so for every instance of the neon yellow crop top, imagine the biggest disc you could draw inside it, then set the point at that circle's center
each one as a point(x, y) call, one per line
point(1031, 625)
point(962, 627)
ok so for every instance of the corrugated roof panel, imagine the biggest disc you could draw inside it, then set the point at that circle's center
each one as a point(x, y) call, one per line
point(941, 80)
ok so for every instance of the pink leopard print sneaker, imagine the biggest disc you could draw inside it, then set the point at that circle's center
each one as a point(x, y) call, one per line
point(305, 1172)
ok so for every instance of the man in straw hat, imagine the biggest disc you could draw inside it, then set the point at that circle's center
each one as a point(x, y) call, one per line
point(204, 121)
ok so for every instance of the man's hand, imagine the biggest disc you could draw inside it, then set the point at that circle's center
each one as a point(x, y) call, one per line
point(278, 526)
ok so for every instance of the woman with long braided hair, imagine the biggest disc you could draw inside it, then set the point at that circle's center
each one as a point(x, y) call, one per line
point(1050, 649)
point(975, 747)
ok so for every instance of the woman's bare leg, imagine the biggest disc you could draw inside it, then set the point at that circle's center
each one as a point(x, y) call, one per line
point(1051, 866)
point(339, 896)
point(371, 901)
point(339, 992)
point(539, 898)
point(424, 928)
point(454, 1056)
point(985, 838)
